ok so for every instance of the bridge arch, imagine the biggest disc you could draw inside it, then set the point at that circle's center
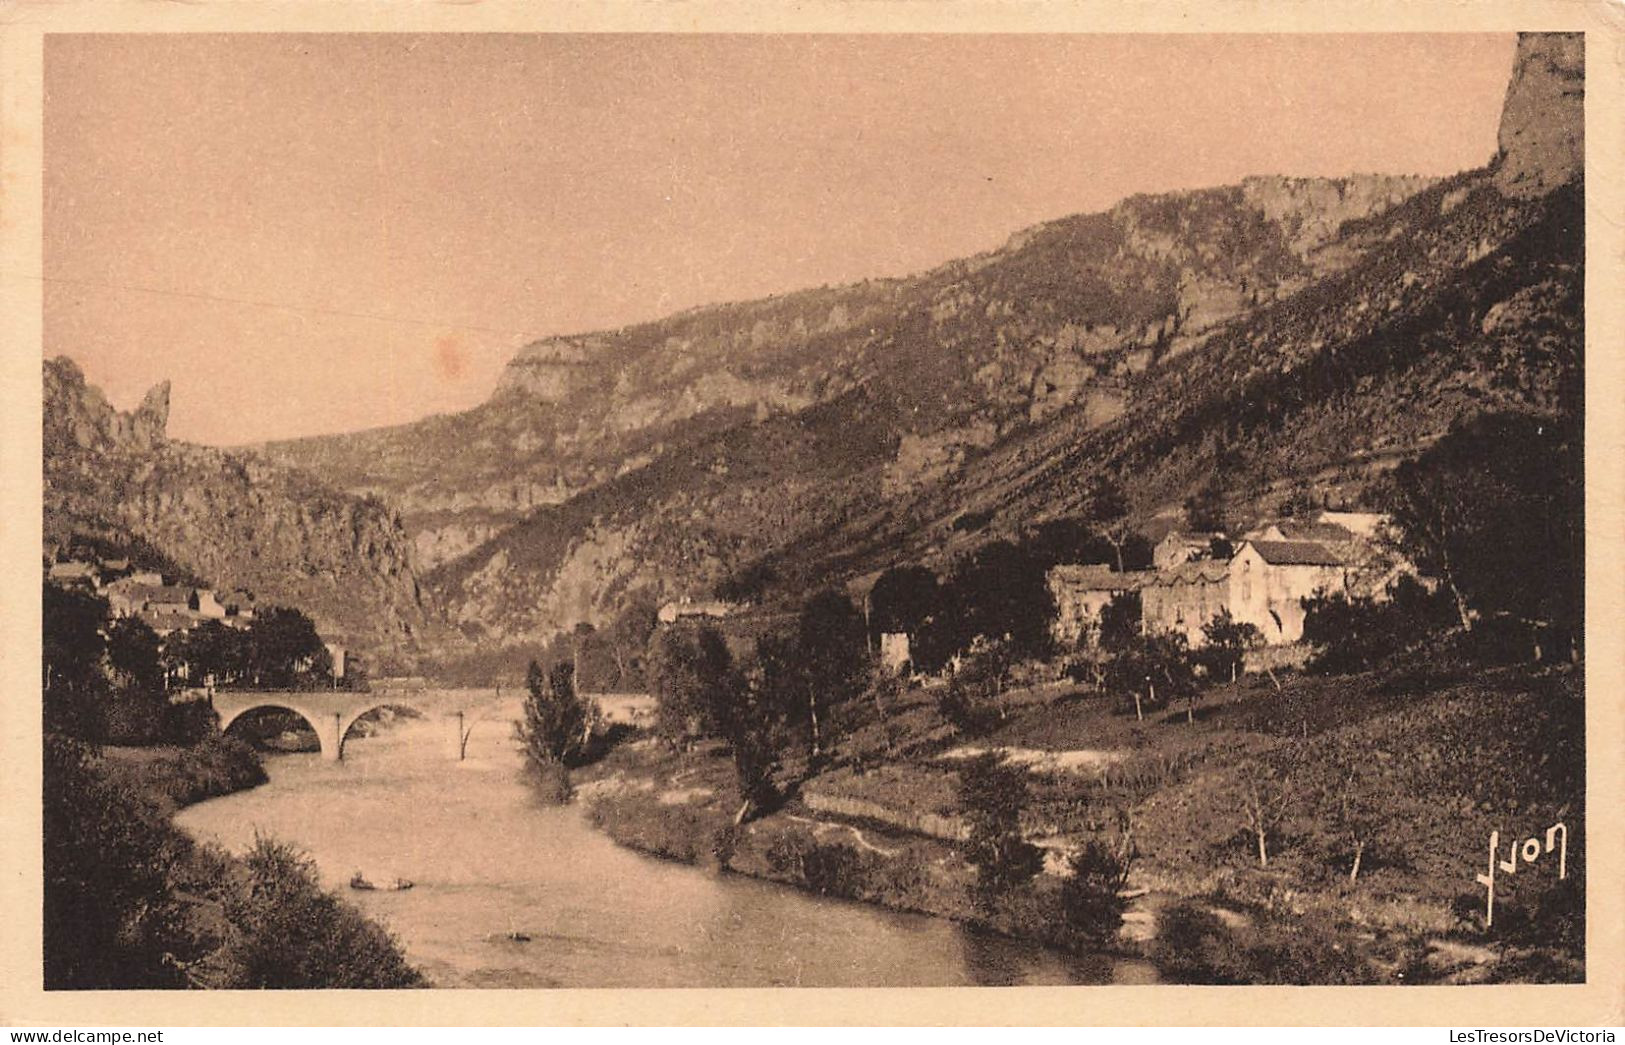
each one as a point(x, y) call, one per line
point(321, 728)
point(348, 721)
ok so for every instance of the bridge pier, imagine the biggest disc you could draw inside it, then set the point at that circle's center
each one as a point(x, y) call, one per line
point(331, 735)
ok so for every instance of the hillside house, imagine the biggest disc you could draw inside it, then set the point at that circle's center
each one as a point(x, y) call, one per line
point(238, 605)
point(895, 651)
point(128, 596)
point(1081, 592)
point(1263, 584)
point(1270, 580)
point(166, 620)
point(1185, 597)
point(1182, 546)
point(174, 597)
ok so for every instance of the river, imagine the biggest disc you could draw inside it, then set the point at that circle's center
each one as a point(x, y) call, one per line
point(488, 862)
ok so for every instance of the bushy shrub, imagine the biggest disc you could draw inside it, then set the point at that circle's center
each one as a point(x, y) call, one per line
point(829, 869)
point(1090, 899)
point(289, 933)
point(1194, 946)
point(1362, 633)
point(992, 795)
point(190, 723)
point(109, 918)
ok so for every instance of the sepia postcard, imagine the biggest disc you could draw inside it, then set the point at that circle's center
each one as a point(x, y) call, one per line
point(834, 513)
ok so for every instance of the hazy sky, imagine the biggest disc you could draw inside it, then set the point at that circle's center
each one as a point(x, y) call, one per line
point(323, 233)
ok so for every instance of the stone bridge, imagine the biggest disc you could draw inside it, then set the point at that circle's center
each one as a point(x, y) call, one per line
point(331, 713)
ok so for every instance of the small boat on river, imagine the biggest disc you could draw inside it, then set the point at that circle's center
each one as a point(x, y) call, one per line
point(360, 881)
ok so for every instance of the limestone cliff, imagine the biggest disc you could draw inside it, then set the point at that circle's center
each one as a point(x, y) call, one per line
point(1542, 135)
point(237, 520)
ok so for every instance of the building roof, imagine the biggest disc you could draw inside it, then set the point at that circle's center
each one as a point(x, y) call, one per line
point(72, 570)
point(1295, 530)
point(1199, 571)
point(166, 620)
point(1097, 577)
point(1192, 537)
point(1297, 553)
point(238, 600)
point(170, 595)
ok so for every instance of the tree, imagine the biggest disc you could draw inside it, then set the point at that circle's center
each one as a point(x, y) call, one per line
point(628, 636)
point(1002, 592)
point(74, 686)
point(1495, 511)
point(109, 918)
point(1265, 797)
point(992, 795)
point(136, 710)
point(1351, 809)
point(210, 649)
point(1091, 892)
point(834, 658)
point(1107, 509)
point(285, 650)
point(1225, 645)
point(1151, 670)
point(747, 711)
point(1204, 509)
point(1068, 540)
point(290, 933)
point(556, 724)
point(974, 697)
point(684, 674)
point(1360, 633)
point(1119, 621)
point(902, 599)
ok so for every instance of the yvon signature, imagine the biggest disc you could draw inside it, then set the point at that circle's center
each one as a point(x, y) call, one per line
point(1529, 851)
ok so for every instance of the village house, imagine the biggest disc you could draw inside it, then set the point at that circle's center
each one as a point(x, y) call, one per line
point(1081, 592)
point(239, 606)
point(1263, 584)
point(165, 620)
point(204, 604)
point(1270, 580)
point(673, 612)
point(74, 574)
point(1182, 546)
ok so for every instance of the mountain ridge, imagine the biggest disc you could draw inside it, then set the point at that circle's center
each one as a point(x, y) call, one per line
point(1258, 336)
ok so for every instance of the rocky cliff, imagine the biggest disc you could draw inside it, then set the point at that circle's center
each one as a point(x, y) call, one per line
point(1066, 311)
point(237, 520)
point(1542, 134)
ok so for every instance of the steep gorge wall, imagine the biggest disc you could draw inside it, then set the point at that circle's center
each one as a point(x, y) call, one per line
point(234, 519)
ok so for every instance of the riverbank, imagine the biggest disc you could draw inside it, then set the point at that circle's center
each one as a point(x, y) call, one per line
point(132, 901)
point(1408, 770)
point(172, 777)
